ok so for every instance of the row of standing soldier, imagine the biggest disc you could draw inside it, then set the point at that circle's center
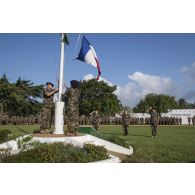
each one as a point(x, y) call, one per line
point(85, 120)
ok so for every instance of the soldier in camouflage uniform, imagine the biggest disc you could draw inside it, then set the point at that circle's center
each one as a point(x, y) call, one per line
point(1, 118)
point(95, 116)
point(153, 120)
point(71, 97)
point(48, 108)
point(125, 122)
point(180, 120)
point(189, 120)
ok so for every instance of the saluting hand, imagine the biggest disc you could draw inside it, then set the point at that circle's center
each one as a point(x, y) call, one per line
point(56, 90)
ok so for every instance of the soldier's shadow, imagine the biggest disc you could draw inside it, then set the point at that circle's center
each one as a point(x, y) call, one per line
point(138, 135)
point(129, 134)
point(22, 130)
point(114, 134)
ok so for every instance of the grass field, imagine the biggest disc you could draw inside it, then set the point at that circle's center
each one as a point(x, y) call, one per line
point(173, 144)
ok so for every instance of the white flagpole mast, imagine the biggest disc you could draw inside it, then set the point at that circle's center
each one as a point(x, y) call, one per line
point(61, 68)
point(59, 105)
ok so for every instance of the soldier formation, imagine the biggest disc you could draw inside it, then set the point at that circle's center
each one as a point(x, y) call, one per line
point(87, 120)
point(19, 120)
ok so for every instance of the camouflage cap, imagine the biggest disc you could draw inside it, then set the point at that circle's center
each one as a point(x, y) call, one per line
point(49, 83)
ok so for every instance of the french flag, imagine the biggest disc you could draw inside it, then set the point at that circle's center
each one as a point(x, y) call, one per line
point(87, 54)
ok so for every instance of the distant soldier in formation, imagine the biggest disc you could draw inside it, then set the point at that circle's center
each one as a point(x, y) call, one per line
point(71, 97)
point(17, 120)
point(95, 116)
point(180, 121)
point(154, 120)
point(65, 120)
point(142, 120)
point(125, 122)
point(86, 120)
point(1, 117)
point(6, 119)
point(189, 120)
point(39, 119)
point(177, 121)
point(193, 120)
point(48, 108)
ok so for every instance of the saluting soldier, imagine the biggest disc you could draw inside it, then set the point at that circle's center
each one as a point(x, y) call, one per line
point(125, 122)
point(153, 120)
point(48, 107)
point(95, 116)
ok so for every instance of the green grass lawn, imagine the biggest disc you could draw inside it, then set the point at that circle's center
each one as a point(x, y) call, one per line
point(173, 144)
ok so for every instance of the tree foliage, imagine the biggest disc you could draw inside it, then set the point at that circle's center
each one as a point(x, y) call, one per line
point(98, 95)
point(161, 102)
point(19, 98)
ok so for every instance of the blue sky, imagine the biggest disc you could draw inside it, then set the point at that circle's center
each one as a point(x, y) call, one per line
point(137, 63)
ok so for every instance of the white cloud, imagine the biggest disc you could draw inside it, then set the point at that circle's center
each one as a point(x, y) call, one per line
point(189, 72)
point(141, 84)
point(90, 76)
point(152, 83)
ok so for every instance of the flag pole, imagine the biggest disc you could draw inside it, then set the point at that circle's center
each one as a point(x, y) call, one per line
point(59, 105)
point(61, 68)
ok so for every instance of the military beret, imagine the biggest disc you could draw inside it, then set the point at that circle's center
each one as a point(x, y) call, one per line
point(49, 83)
point(74, 83)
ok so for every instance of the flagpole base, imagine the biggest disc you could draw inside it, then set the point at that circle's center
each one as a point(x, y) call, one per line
point(59, 118)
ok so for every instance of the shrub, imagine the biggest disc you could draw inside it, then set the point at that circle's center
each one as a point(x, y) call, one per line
point(5, 135)
point(95, 152)
point(4, 153)
point(26, 143)
point(59, 153)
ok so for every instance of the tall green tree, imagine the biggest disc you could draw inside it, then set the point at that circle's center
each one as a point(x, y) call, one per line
point(20, 98)
point(98, 95)
point(182, 103)
point(161, 102)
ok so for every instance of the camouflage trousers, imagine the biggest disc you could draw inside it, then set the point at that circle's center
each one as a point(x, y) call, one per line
point(125, 129)
point(96, 126)
point(46, 118)
point(154, 129)
point(73, 121)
